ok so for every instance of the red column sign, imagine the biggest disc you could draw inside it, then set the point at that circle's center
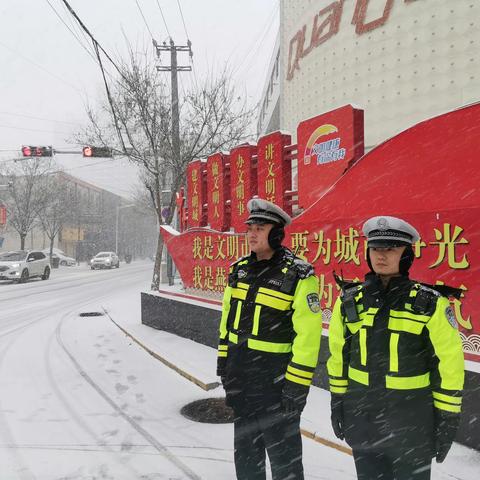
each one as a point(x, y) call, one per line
point(197, 189)
point(274, 172)
point(3, 215)
point(218, 183)
point(243, 181)
point(326, 144)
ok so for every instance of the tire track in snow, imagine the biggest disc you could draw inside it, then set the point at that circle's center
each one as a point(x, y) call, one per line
point(162, 449)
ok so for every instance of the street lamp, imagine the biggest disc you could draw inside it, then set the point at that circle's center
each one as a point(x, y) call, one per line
point(119, 207)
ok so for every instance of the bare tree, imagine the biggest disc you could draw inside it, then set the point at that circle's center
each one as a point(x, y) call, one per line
point(27, 195)
point(57, 210)
point(137, 123)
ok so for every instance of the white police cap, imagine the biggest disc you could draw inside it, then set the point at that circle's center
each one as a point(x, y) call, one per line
point(383, 231)
point(263, 211)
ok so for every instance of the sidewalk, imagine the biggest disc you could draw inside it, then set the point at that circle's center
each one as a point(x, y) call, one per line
point(197, 363)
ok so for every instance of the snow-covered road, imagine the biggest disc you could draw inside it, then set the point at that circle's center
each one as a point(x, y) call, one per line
point(78, 400)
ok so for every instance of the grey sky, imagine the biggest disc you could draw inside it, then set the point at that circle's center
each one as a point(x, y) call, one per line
point(46, 73)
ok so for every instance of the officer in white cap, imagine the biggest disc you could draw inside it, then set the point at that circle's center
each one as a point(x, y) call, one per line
point(268, 348)
point(396, 368)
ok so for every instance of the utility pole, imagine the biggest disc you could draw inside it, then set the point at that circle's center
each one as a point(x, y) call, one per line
point(174, 68)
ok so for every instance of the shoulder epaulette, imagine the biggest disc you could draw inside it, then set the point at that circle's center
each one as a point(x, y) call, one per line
point(303, 269)
point(346, 285)
point(427, 289)
point(442, 290)
point(239, 261)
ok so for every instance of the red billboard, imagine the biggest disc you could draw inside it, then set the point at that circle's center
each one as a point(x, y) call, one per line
point(326, 145)
point(3, 215)
point(196, 194)
point(243, 183)
point(218, 192)
point(274, 172)
point(427, 175)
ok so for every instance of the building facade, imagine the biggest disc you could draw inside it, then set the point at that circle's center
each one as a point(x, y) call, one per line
point(402, 61)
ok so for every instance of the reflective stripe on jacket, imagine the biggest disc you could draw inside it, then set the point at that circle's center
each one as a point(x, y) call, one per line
point(273, 306)
point(402, 339)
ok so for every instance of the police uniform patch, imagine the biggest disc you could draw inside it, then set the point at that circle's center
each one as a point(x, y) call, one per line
point(241, 274)
point(313, 302)
point(451, 317)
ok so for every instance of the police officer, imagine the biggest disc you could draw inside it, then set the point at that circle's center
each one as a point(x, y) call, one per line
point(396, 368)
point(268, 349)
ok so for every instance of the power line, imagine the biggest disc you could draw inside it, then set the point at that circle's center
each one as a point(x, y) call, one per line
point(71, 31)
point(96, 44)
point(144, 19)
point(164, 21)
point(37, 118)
point(257, 40)
point(34, 130)
point(41, 68)
point(183, 19)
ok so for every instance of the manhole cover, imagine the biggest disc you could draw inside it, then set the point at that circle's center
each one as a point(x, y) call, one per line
point(208, 410)
point(91, 314)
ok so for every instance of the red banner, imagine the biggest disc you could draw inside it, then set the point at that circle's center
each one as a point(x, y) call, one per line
point(427, 175)
point(218, 181)
point(197, 193)
point(274, 171)
point(3, 215)
point(326, 145)
point(243, 181)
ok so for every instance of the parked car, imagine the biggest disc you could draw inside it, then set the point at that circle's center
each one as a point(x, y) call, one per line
point(63, 259)
point(105, 260)
point(21, 265)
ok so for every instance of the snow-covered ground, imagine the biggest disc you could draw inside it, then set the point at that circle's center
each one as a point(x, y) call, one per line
point(79, 399)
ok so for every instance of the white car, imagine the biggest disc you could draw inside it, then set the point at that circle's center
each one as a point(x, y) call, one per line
point(63, 259)
point(105, 260)
point(21, 265)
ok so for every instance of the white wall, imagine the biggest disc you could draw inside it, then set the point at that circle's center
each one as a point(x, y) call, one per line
point(423, 61)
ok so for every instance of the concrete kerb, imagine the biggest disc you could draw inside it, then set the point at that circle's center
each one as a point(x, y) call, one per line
point(210, 386)
point(183, 373)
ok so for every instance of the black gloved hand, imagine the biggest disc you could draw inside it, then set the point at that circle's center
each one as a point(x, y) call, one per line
point(336, 404)
point(223, 379)
point(294, 397)
point(446, 426)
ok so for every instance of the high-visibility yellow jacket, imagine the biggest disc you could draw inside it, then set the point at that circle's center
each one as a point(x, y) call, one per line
point(404, 339)
point(272, 307)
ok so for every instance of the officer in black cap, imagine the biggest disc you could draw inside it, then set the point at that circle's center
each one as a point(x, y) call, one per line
point(396, 367)
point(268, 349)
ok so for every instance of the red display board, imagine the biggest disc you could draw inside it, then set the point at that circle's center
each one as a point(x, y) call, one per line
point(197, 193)
point(326, 145)
point(243, 184)
point(3, 215)
point(427, 175)
point(274, 171)
point(218, 193)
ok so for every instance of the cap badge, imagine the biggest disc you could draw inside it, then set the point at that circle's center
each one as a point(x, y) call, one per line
point(382, 223)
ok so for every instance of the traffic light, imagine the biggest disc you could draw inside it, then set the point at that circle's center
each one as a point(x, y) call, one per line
point(90, 151)
point(30, 151)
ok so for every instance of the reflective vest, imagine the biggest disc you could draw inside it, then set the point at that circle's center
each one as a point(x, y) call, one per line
point(272, 306)
point(403, 339)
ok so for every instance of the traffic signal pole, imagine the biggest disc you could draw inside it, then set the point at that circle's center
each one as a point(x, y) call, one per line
point(173, 69)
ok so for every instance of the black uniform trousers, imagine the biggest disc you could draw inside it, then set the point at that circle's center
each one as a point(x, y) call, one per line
point(253, 384)
point(384, 465)
point(274, 432)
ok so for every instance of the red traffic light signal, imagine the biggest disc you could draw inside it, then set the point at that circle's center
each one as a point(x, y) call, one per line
point(30, 151)
point(90, 151)
point(26, 151)
point(87, 152)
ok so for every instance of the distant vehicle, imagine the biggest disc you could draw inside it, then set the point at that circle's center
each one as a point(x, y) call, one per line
point(105, 260)
point(21, 265)
point(63, 259)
